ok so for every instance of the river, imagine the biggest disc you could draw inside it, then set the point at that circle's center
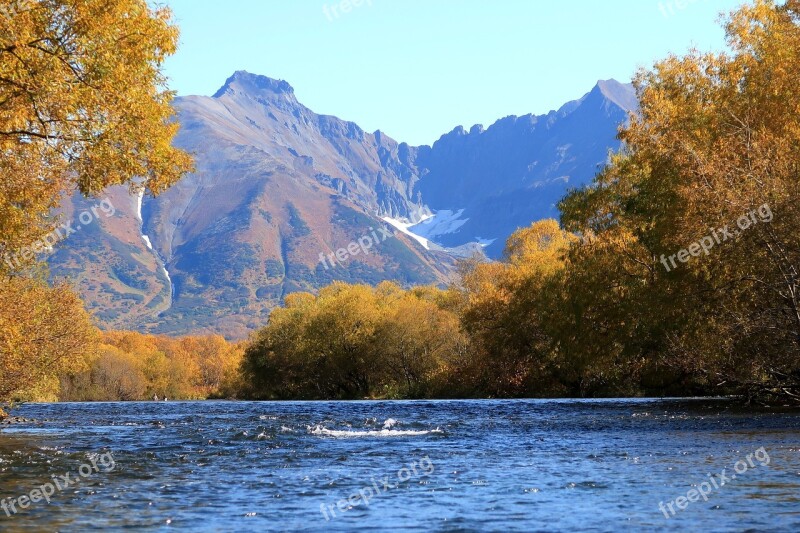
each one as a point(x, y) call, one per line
point(505, 465)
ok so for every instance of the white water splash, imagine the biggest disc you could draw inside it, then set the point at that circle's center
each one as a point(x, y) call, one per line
point(321, 430)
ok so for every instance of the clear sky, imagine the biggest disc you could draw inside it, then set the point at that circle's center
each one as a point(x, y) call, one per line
point(415, 69)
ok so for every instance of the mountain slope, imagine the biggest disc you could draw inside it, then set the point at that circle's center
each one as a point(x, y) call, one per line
point(280, 190)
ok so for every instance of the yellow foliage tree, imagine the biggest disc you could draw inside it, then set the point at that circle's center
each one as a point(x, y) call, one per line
point(44, 333)
point(713, 158)
point(507, 309)
point(82, 106)
point(355, 341)
point(133, 366)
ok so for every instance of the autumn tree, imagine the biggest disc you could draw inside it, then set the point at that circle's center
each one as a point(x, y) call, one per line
point(355, 341)
point(508, 309)
point(421, 342)
point(114, 375)
point(44, 333)
point(273, 367)
point(83, 106)
point(132, 366)
point(717, 139)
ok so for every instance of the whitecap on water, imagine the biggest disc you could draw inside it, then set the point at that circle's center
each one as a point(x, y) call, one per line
point(321, 430)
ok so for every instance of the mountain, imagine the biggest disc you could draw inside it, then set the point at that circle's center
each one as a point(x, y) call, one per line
point(279, 189)
point(485, 184)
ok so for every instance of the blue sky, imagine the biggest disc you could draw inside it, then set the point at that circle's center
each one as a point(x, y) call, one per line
point(417, 68)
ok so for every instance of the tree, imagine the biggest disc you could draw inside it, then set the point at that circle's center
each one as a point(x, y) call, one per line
point(114, 375)
point(44, 333)
point(508, 308)
point(82, 106)
point(716, 146)
point(420, 343)
point(134, 366)
point(355, 341)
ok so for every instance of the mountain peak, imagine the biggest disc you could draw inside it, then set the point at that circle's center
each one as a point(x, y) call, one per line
point(621, 94)
point(254, 83)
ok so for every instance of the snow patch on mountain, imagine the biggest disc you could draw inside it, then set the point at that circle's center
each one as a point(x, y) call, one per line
point(166, 273)
point(403, 226)
point(443, 222)
point(139, 199)
point(448, 221)
point(426, 227)
point(146, 239)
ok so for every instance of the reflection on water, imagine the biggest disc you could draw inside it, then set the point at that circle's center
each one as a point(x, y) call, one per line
point(602, 465)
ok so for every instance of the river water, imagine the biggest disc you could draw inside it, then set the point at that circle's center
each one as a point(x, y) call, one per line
point(538, 465)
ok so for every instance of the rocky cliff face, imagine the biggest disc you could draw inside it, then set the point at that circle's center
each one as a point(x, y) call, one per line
point(279, 191)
